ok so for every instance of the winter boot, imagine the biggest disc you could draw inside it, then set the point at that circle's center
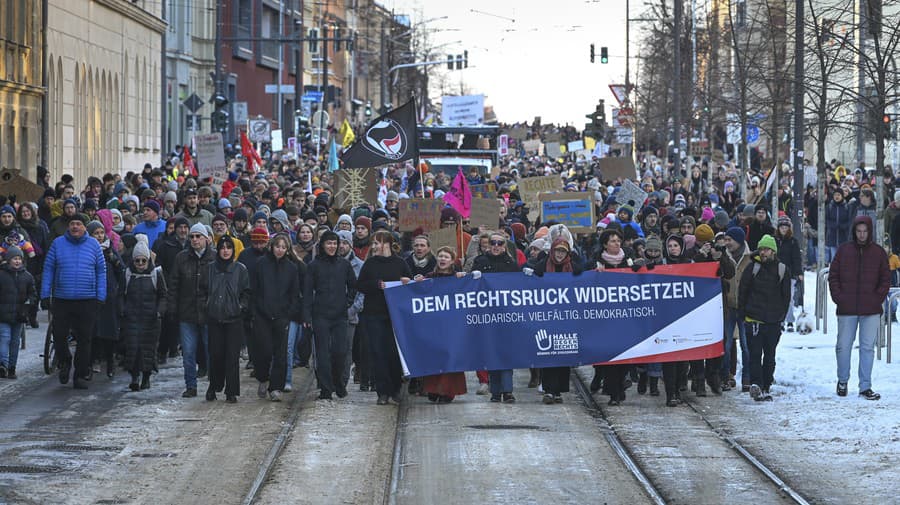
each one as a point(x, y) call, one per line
point(642, 383)
point(110, 367)
point(671, 400)
point(597, 381)
point(535, 378)
point(134, 386)
point(715, 384)
point(145, 380)
point(11, 373)
point(654, 386)
point(700, 386)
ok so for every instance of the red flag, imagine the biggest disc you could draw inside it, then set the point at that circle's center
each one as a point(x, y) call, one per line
point(460, 196)
point(189, 162)
point(249, 153)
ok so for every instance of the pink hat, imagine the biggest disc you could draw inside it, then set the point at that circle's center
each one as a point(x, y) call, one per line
point(707, 215)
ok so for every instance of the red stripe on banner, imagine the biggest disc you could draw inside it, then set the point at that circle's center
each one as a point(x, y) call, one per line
point(709, 270)
point(704, 352)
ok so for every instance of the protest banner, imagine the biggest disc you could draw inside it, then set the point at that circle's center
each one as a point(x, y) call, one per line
point(419, 214)
point(530, 187)
point(467, 110)
point(486, 190)
point(575, 145)
point(443, 237)
point(485, 212)
point(632, 195)
point(552, 137)
point(509, 320)
point(617, 168)
point(575, 210)
point(211, 159)
point(532, 146)
point(517, 133)
point(503, 145)
point(552, 150)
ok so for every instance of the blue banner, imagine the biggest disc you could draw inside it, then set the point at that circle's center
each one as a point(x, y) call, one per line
point(511, 320)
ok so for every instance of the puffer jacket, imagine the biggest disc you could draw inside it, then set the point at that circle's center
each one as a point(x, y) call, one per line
point(16, 290)
point(487, 263)
point(859, 276)
point(789, 253)
point(330, 288)
point(74, 269)
point(229, 292)
point(275, 287)
point(837, 224)
point(142, 305)
point(764, 297)
point(189, 286)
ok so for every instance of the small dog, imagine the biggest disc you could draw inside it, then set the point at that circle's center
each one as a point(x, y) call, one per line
point(804, 324)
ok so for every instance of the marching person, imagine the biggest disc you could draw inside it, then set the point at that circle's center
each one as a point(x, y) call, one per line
point(330, 288)
point(382, 265)
point(555, 380)
point(74, 284)
point(187, 298)
point(276, 298)
point(228, 301)
point(106, 331)
point(859, 279)
point(143, 305)
point(497, 259)
point(765, 294)
point(17, 294)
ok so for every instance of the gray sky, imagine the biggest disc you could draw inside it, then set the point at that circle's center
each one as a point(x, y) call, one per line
point(539, 64)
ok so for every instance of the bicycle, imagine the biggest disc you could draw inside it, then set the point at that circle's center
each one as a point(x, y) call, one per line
point(49, 355)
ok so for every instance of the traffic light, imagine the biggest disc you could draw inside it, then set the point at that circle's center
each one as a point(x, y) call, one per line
point(337, 39)
point(313, 41)
point(368, 108)
point(886, 126)
point(459, 62)
point(592, 53)
point(466, 58)
point(450, 62)
point(604, 55)
point(303, 130)
point(220, 113)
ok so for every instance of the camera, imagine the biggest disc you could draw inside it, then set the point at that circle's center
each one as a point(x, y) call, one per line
point(720, 248)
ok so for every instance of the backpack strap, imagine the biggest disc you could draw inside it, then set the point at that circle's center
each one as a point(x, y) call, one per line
point(782, 269)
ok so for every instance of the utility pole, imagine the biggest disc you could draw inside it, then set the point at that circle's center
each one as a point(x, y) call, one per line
point(280, 64)
point(298, 70)
point(799, 74)
point(217, 85)
point(384, 66)
point(861, 83)
point(676, 116)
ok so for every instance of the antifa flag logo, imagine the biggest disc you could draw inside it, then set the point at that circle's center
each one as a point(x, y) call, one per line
point(390, 138)
point(387, 138)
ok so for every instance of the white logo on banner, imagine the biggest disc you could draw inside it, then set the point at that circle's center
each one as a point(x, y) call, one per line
point(549, 344)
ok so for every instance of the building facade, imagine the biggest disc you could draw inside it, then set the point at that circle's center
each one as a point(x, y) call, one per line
point(104, 86)
point(21, 93)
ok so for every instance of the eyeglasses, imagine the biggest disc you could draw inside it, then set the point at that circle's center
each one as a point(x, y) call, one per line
point(197, 235)
point(497, 242)
point(140, 261)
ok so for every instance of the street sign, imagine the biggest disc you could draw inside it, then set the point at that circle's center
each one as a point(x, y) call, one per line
point(286, 89)
point(312, 96)
point(277, 141)
point(619, 92)
point(624, 135)
point(193, 103)
point(240, 112)
point(259, 130)
point(189, 121)
point(733, 134)
point(625, 117)
point(752, 133)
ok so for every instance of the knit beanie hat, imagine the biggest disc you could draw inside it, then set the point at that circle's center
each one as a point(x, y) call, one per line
point(345, 218)
point(518, 230)
point(784, 220)
point(767, 242)
point(628, 210)
point(707, 215)
point(704, 233)
point(201, 229)
point(240, 215)
point(364, 221)
point(224, 203)
point(152, 205)
point(653, 243)
point(7, 209)
point(737, 234)
point(749, 210)
point(259, 235)
point(541, 232)
point(721, 219)
point(259, 215)
point(141, 250)
point(13, 251)
point(345, 236)
point(94, 226)
point(170, 197)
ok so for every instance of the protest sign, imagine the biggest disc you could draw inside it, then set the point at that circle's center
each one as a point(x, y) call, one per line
point(616, 168)
point(632, 195)
point(355, 186)
point(530, 187)
point(552, 137)
point(12, 182)
point(467, 110)
point(485, 212)
point(419, 214)
point(443, 237)
point(211, 159)
point(486, 190)
point(576, 145)
point(552, 150)
point(518, 133)
point(509, 320)
point(503, 145)
point(531, 146)
point(575, 210)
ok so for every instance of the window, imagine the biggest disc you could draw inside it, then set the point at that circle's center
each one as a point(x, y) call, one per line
point(740, 15)
point(269, 29)
point(243, 26)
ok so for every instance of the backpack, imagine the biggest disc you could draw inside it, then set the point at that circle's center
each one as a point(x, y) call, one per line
point(154, 274)
point(781, 270)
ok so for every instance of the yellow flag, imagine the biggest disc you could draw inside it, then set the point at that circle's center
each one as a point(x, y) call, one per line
point(589, 143)
point(346, 134)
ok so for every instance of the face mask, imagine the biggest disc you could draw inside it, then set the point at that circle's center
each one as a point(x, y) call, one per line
point(119, 227)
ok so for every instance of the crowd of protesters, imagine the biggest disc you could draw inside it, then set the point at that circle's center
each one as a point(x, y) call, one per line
point(269, 271)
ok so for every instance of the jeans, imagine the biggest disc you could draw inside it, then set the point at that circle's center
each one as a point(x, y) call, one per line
point(812, 255)
point(763, 338)
point(348, 361)
point(294, 330)
point(868, 332)
point(501, 381)
point(732, 319)
point(191, 336)
point(830, 252)
point(789, 318)
point(10, 337)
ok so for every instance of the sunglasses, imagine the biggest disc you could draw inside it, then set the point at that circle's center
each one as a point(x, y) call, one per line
point(197, 235)
point(140, 261)
point(497, 242)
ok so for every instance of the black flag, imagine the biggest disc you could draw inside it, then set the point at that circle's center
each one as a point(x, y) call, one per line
point(389, 139)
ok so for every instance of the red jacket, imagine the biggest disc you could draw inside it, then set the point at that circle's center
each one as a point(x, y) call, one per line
point(859, 275)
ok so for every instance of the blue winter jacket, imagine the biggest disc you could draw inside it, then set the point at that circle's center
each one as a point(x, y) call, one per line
point(151, 229)
point(74, 269)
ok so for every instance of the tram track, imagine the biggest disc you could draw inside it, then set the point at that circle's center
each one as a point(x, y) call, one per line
point(637, 459)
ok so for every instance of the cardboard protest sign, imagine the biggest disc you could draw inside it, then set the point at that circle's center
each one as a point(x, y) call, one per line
point(531, 146)
point(552, 137)
point(575, 210)
point(530, 187)
point(518, 133)
point(632, 195)
point(616, 168)
point(485, 212)
point(355, 186)
point(487, 190)
point(576, 145)
point(419, 213)
point(211, 159)
point(443, 237)
point(13, 183)
point(552, 150)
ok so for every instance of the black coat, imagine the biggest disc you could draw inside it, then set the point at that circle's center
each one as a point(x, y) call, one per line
point(425, 270)
point(374, 270)
point(108, 313)
point(275, 287)
point(167, 248)
point(189, 286)
point(142, 305)
point(763, 296)
point(16, 289)
point(789, 254)
point(329, 288)
point(487, 263)
point(229, 292)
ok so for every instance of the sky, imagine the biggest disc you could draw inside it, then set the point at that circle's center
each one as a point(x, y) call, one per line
point(531, 58)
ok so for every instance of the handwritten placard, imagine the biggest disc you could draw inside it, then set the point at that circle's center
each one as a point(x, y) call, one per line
point(575, 210)
point(420, 214)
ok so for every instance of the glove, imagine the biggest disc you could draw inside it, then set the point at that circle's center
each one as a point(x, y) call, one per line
point(528, 271)
point(46, 303)
point(476, 274)
point(651, 266)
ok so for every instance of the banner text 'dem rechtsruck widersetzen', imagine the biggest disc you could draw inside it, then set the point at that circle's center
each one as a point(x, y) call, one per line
point(511, 320)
